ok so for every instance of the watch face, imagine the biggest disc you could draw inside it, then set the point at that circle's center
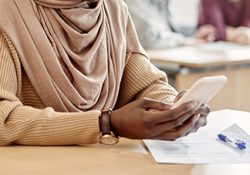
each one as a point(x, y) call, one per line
point(108, 140)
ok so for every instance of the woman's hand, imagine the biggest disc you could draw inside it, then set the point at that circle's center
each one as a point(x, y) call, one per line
point(206, 33)
point(201, 114)
point(136, 121)
point(239, 35)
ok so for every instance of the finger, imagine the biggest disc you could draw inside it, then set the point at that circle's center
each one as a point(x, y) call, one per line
point(191, 123)
point(204, 110)
point(210, 37)
point(180, 95)
point(200, 123)
point(175, 124)
point(197, 124)
point(180, 132)
point(153, 104)
point(187, 109)
point(171, 125)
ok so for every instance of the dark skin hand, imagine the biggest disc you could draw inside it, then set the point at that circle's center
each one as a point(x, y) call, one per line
point(152, 119)
point(202, 113)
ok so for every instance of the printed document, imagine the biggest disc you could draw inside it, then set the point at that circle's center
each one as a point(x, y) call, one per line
point(202, 147)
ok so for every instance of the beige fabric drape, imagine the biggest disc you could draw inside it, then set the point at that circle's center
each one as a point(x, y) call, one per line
point(73, 55)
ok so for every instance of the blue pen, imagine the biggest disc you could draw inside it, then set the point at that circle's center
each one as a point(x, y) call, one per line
point(233, 142)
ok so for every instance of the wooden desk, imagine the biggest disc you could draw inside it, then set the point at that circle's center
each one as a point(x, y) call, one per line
point(187, 64)
point(127, 158)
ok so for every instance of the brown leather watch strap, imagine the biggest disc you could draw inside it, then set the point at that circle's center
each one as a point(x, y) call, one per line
point(105, 122)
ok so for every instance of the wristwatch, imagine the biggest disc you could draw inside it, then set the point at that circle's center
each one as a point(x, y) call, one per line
point(107, 137)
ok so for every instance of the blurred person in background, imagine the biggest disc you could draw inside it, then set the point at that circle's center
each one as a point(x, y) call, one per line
point(153, 24)
point(224, 20)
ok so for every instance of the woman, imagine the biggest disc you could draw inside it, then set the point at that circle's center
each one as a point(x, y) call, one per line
point(227, 20)
point(65, 63)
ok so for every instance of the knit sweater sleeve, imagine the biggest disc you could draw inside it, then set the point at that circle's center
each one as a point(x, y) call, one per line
point(26, 125)
point(142, 79)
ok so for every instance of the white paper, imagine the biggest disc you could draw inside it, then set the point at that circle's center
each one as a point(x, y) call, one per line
point(201, 147)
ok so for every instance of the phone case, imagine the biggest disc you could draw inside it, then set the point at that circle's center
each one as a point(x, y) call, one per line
point(203, 90)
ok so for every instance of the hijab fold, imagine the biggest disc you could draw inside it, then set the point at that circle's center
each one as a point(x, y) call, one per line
point(73, 52)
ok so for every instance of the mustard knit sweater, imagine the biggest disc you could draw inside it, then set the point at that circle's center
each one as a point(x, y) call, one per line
point(25, 120)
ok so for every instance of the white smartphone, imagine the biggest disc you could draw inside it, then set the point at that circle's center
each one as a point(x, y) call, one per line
point(203, 90)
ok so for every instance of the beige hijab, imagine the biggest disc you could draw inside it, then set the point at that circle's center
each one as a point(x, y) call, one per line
point(74, 55)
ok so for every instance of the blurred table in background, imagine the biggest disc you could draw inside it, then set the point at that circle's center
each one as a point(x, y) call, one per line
point(184, 65)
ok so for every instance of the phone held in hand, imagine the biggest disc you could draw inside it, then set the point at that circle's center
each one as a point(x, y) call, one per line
point(203, 90)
